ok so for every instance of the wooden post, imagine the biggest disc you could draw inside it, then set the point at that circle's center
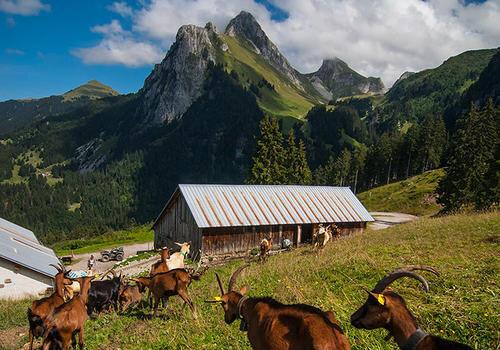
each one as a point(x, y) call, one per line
point(299, 234)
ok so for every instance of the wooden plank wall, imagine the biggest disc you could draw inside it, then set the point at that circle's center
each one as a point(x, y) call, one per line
point(178, 225)
point(228, 240)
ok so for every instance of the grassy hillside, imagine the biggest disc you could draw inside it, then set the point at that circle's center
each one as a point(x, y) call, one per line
point(285, 100)
point(93, 89)
point(412, 196)
point(462, 304)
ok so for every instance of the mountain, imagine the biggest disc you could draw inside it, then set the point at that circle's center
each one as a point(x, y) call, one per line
point(403, 77)
point(15, 114)
point(93, 89)
point(432, 91)
point(336, 79)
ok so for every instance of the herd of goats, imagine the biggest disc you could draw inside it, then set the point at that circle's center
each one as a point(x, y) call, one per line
point(269, 324)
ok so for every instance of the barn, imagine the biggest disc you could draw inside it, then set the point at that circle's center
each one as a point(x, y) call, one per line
point(232, 219)
point(24, 263)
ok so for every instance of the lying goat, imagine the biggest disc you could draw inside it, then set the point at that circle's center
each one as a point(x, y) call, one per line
point(265, 247)
point(386, 309)
point(167, 284)
point(67, 320)
point(275, 326)
point(43, 308)
point(131, 296)
point(104, 294)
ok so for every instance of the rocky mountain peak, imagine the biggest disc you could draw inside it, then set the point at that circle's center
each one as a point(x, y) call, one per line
point(335, 79)
point(177, 81)
point(245, 26)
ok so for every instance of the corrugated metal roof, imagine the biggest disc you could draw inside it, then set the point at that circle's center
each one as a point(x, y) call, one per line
point(254, 205)
point(21, 246)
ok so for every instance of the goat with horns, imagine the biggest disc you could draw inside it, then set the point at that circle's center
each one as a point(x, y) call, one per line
point(272, 325)
point(386, 309)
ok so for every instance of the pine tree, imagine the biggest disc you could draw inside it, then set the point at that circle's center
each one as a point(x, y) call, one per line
point(358, 164)
point(298, 171)
point(269, 161)
point(343, 167)
point(471, 156)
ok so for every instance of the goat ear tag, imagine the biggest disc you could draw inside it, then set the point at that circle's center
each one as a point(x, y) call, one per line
point(380, 299)
point(217, 298)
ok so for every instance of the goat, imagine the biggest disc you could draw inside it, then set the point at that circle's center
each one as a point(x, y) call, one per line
point(322, 236)
point(276, 326)
point(131, 296)
point(176, 260)
point(104, 294)
point(265, 247)
point(386, 309)
point(43, 308)
point(67, 320)
point(167, 284)
point(160, 265)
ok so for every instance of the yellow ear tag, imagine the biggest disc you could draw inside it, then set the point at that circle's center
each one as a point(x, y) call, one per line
point(217, 298)
point(380, 299)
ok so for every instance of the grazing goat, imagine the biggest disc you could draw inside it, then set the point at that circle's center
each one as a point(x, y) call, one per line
point(322, 236)
point(67, 320)
point(167, 284)
point(131, 296)
point(265, 247)
point(160, 265)
point(386, 309)
point(43, 308)
point(176, 260)
point(276, 326)
point(104, 294)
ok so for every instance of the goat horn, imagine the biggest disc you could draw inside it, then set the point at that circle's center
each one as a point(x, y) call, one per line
point(388, 279)
point(419, 267)
point(57, 267)
point(106, 273)
point(232, 281)
point(221, 287)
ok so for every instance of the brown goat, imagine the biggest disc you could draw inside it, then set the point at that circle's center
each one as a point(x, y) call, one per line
point(276, 326)
point(386, 309)
point(68, 319)
point(131, 296)
point(167, 284)
point(160, 265)
point(265, 247)
point(43, 308)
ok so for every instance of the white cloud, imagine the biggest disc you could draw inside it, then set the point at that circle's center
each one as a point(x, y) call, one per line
point(121, 8)
point(119, 47)
point(23, 7)
point(378, 38)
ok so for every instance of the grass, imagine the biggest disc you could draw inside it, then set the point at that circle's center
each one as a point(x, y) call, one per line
point(33, 158)
point(286, 100)
point(415, 195)
point(463, 303)
point(140, 234)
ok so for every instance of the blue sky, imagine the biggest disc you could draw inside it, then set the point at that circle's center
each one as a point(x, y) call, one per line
point(49, 47)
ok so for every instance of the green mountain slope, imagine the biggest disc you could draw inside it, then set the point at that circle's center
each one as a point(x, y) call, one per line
point(92, 90)
point(415, 195)
point(433, 90)
point(15, 114)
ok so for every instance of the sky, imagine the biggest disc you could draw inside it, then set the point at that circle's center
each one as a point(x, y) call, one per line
point(49, 47)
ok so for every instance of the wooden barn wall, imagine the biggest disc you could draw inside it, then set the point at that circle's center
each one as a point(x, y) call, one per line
point(228, 240)
point(233, 240)
point(178, 225)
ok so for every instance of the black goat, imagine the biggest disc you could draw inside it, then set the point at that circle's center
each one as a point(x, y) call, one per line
point(104, 294)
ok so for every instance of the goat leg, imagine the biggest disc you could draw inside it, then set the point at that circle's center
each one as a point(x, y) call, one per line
point(80, 338)
point(30, 333)
point(183, 294)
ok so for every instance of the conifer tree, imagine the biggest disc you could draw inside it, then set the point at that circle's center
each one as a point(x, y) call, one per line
point(471, 156)
point(269, 161)
point(298, 171)
point(343, 167)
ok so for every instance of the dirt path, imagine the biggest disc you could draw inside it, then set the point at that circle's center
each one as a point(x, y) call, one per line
point(100, 266)
point(386, 219)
